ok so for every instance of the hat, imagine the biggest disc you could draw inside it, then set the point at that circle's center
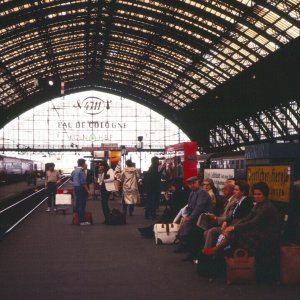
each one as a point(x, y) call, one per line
point(192, 179)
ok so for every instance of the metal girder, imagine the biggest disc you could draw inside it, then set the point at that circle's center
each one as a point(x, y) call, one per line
point(263, 127)
point(284, 111)
point(240, 132)
point(283, 131)
point(250, 130)
point(110, 7)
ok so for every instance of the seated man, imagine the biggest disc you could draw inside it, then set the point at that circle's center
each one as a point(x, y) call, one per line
point(210, 223)
point(199, 202)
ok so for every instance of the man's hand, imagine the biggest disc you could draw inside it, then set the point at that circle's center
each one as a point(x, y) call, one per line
point(224, 225)
point(212, 216)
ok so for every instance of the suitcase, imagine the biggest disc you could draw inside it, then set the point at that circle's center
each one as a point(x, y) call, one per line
point(63, 199)
point(88, 218)
point(165, 233)
point(290, 264)
point(63, 202)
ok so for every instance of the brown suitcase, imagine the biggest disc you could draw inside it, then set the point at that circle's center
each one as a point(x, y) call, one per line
point(240, 267)
point(88, 218)
point(290, 264)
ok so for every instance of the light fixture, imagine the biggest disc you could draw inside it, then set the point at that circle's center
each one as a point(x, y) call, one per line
point(50, 82)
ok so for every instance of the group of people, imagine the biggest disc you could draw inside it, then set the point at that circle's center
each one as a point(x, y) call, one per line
point(107, 179)
point(211, 224)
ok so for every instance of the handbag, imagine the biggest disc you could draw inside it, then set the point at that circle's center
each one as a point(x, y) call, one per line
point(240, 268)
point(116, 217)
point(112, 186)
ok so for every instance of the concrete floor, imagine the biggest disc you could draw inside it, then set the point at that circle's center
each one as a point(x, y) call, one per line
point(48, 258)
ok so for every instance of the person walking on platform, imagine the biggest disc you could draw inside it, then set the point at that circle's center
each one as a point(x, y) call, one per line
point(129, 178)
point(81, 190)
point(106, 178)
point(51, 181)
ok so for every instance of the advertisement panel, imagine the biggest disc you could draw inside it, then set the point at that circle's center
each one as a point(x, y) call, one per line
point(278, 178)
point(219, 176)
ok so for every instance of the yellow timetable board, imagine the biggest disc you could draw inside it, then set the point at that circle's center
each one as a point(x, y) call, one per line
point(278, 178)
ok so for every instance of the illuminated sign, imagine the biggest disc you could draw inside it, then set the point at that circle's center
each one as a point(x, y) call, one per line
point(278, 178)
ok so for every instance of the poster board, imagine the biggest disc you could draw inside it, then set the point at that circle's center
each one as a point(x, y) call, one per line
point(219, 176)
point(278, 178)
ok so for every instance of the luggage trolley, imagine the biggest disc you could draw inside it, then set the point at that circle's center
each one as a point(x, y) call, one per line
point(64, 199)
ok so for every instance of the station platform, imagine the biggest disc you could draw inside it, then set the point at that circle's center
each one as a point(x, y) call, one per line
point(48, 258)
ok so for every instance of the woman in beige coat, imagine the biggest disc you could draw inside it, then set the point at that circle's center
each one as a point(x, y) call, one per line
point(129, 178)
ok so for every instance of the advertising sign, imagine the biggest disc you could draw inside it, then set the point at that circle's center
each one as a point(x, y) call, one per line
point(278, 178)
point(219, 176)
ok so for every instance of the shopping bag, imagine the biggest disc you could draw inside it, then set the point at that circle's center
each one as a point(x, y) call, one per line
point(240, 268)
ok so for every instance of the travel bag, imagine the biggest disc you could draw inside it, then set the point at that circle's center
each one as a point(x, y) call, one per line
point(116, 217)
point(165, 233)
point(240, 268)
point(290, 264)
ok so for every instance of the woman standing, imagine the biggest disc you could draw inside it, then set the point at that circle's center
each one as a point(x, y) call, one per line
point(129, 178)
point(106, 178)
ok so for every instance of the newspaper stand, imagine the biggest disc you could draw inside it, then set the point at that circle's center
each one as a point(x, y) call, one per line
point(63, 199)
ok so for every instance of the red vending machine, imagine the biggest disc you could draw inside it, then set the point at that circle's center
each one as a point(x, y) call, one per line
point(181, 160)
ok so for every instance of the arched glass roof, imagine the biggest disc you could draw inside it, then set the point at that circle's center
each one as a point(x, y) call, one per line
point(171, 51)
point(89, 120)
point(175, 57)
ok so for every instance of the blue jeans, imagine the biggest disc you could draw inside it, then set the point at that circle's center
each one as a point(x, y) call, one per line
point(81, 198)
point(51, 190)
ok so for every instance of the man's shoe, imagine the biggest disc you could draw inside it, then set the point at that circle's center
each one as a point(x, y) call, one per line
point(85, 223)
point(48, 209)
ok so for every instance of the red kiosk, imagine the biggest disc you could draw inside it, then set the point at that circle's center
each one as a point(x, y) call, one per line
point(181, 160)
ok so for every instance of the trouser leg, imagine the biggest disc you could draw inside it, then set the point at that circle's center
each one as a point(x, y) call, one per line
point(81, 198)
point(131, 209)
point(211, 237)
point(105, 207)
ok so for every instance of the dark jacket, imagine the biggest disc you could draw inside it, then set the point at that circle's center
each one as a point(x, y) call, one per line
point(241, 211)
point(199, 202)
point(259, 232)
point(263, 218)
point(152, 180)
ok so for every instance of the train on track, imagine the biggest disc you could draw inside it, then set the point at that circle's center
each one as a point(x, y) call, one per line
point(14, 169)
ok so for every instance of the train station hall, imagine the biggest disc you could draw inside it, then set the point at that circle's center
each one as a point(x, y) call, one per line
point(149, 149)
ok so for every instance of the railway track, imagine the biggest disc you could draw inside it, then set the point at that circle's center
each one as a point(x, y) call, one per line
point(16, 210)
